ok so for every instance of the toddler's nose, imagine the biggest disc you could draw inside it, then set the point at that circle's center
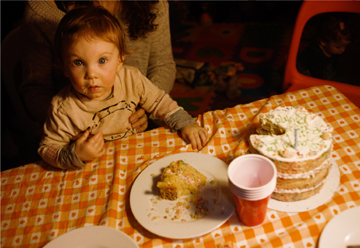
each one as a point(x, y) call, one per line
point(90, 73)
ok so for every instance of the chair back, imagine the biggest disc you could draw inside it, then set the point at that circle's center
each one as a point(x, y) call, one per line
point(293, 80)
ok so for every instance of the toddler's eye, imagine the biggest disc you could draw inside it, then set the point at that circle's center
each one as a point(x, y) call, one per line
point(102, 61)
point(78, 63)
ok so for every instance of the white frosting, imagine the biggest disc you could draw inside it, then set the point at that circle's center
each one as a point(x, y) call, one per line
point(181, 176)
point(311, 141)
point(307, 174)
point(292, 191)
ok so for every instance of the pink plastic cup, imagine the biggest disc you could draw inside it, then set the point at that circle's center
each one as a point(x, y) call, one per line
point(252, 179)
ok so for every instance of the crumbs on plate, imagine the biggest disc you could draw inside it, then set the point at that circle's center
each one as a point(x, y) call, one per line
point(182, 210)
point(186, 208)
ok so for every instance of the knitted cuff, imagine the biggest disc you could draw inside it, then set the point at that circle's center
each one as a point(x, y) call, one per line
point(68, 159)
point(179, 119)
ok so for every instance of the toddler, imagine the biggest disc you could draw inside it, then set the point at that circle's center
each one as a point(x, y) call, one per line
point(320, 59)
point(90, 50)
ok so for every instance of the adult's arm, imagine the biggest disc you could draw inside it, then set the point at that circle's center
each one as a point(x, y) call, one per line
point(162, 68)
point(153, 55)
point(38, 30)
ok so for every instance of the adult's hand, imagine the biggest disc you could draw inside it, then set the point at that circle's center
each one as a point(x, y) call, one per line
point(139, 120)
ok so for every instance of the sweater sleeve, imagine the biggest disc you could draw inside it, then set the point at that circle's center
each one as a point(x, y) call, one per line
point(68, 159)
point(179, 119)
point(162, 69)
point(56, 147)
point(175, 117)
point(162, 106)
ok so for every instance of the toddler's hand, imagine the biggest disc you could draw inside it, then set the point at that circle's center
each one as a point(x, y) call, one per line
point(90, 149)
point(195, 135)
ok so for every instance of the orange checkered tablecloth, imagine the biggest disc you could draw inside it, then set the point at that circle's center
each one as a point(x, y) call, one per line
point(40, 203)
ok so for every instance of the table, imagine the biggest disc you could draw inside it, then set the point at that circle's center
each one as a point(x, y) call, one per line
point(40, 203)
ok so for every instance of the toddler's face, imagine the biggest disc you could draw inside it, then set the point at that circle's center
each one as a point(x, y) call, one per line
point(334, 47)
point(91, 65)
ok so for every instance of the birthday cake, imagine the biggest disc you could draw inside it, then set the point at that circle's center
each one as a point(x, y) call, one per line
point(179, 179)
point(300, 144)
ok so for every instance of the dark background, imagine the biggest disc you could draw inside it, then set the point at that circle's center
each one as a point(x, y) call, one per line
point(13, 150)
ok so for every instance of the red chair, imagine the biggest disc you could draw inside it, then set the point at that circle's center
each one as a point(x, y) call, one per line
point(293, 80)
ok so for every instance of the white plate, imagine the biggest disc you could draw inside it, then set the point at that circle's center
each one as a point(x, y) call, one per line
point(93, 237)
point(325, 194)
point(151, 213)
point(342, 231)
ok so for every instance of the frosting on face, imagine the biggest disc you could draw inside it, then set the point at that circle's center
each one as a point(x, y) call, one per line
point(313, 136)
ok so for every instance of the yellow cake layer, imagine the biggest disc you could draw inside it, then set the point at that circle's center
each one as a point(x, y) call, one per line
point(179, 179)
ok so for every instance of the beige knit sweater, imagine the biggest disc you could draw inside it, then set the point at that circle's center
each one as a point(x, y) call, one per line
point(152, 55)
point(71, 114)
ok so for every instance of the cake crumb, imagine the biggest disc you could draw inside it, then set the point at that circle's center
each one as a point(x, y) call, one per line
point(326, 135)
point(155, 218)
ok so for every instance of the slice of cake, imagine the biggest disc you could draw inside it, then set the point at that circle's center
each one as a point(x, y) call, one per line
point(179, 179)
point(299, 143)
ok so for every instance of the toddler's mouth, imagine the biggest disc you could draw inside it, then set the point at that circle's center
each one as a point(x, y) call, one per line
point(94, 89)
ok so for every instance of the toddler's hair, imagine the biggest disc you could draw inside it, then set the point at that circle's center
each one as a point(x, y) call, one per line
point(89, 22)
point(334, 28)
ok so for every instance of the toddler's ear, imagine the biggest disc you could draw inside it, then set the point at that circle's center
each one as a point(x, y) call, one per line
point(120, 63)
